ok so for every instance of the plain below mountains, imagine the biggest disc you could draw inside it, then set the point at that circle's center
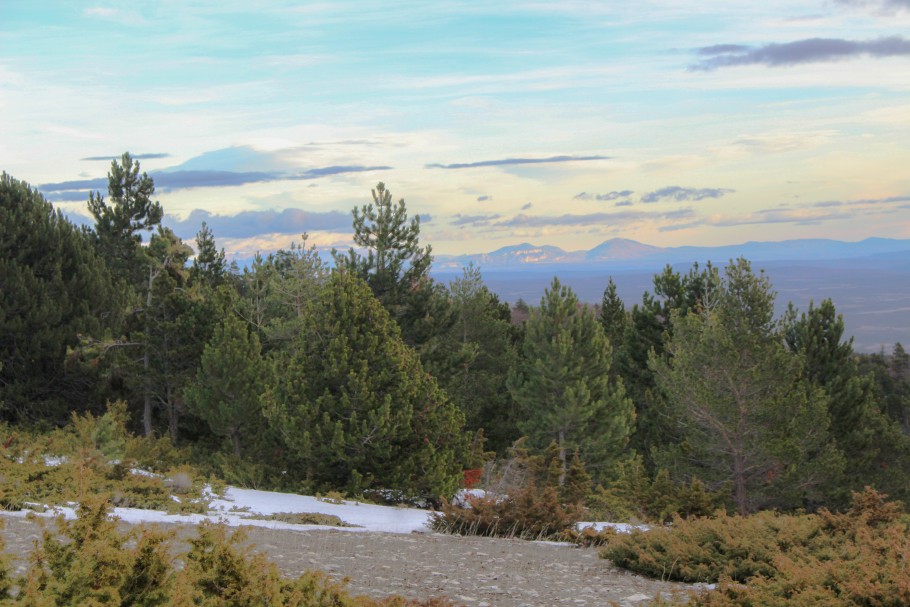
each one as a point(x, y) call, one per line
point(623, 253)
point(869, 280)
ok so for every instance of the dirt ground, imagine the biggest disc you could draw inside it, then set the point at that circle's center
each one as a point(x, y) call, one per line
point(477, 572)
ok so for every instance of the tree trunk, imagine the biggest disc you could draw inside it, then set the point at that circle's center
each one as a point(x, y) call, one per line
point(739, 480)
point(563, 467)
point(147, 384)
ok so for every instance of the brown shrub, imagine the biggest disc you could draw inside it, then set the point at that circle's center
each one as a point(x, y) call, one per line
point(860, 557)
point(528, 513)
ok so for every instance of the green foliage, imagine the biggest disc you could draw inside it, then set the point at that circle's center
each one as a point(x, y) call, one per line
point(76, 461)
point(562, 385)
point(636, 494)
point(482, 340)
point(740, 407)
point(615, 320)
point(119, 223)
point(89, 561)
point(209, 267)
point(875, 450)
point(230, 382)
point(648, 329)
point(397, 270)
point(354, 405)
point(395, 262)
point(5, 577)
point(54, 289)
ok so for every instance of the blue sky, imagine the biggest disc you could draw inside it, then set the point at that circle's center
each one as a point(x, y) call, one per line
point(568, 123)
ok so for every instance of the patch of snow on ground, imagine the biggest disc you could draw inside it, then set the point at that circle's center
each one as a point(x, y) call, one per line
point(618, 527)
point(236, 506)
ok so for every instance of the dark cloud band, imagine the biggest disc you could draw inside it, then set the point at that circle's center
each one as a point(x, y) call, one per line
point(151, 156)
point(179, 180)
point(680, 194)
point(812, 50)
point(514, 161)
point(609, 196)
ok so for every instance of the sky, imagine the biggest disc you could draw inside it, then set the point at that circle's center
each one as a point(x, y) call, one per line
point(555, 123)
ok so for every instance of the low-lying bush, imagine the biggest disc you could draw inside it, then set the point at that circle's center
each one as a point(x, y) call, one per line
point(92, 456)
point(859, 557)
point(523, 499)
point(90, 562)
point(637, 495)
point(304, 518)
point(529, 513)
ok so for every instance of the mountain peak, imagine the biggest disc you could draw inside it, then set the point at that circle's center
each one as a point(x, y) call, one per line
point(621, 248)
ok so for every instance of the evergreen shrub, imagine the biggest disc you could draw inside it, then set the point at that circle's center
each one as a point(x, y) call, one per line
point(639, 496)
point(858, 557)
point(91, 562)
point(94, 456)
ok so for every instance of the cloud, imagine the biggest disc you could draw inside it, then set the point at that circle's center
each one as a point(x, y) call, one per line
point(861, 202)
point(526, 206)
point(680, 194)
point(885, 6)
point(514, 161)
point(484, 198)
point(248, 224)
point(150, 156)
point(623, 203)
point(722, 49)
point(798, 216)
point(623, 217)
point(474, 220)
point(811, 50)
point(180, 180)
point(603, 197)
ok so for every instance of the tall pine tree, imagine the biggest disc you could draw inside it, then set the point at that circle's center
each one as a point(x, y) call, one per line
point(562, 385)
point(230, 382)
point(53, 289)
point(355, 406)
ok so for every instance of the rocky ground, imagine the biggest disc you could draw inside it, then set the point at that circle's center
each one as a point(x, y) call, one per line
point(477, 572)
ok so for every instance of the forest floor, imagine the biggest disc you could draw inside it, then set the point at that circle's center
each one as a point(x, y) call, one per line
point(473, 571)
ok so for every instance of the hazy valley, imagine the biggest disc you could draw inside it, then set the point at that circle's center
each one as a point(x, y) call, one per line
point(869, 281)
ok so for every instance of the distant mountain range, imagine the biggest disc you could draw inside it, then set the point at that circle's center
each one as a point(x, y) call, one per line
point(625, 253)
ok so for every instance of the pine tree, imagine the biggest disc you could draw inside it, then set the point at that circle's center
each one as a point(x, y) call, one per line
point(740, 408)
point(870, 442)
point(648, 329)
point(209, 266)
point(229, 384)
point(481, 341)
point(54, 290)
point(397, 269)
point(615, 320)
point(395, 262)
point(355, 406)
point(562, 386)
point(119, 222)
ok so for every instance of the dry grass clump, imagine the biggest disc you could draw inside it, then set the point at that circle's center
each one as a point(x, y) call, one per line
point(523, 499)
point(530, 513)
point(304, 518)
point(859, 557)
